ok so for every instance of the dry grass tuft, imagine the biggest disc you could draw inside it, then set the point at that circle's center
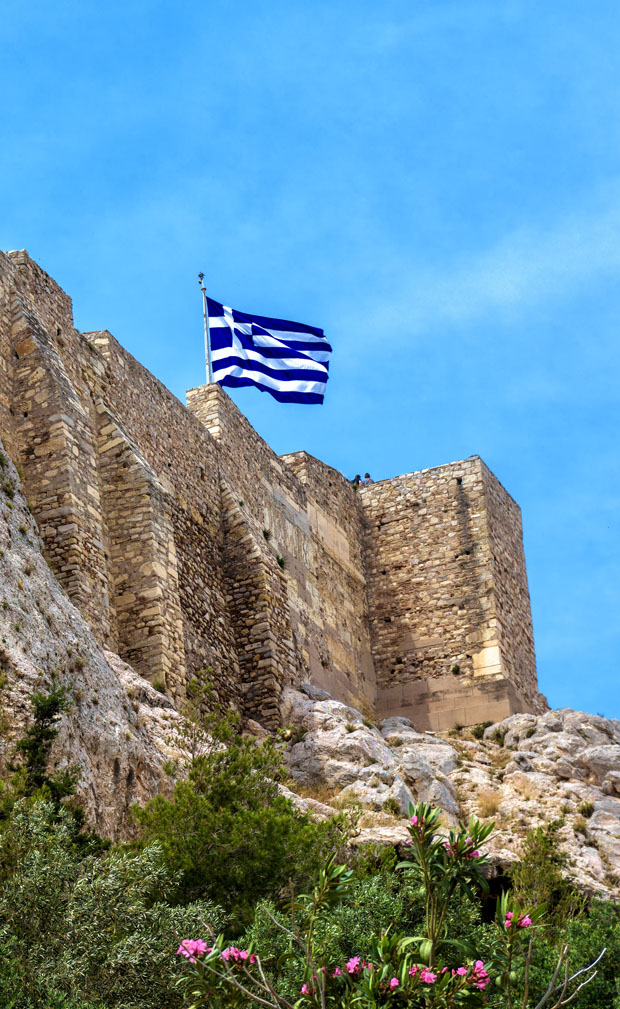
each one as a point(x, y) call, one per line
point(489, 802)
point(528, 789)
point(346, 801)
point(319, 792)
point(500, 758)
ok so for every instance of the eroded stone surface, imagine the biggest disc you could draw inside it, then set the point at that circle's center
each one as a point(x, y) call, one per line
point(528, 770)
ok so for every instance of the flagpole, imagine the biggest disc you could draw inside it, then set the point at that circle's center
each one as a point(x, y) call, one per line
point(207, 332)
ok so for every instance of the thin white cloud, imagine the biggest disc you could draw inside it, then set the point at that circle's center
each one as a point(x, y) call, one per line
point(528, 267)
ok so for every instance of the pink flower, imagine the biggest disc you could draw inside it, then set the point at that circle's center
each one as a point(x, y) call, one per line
point(479, 976)
point(190, 948)
point(353, 965)
point(523, 922)
point(473, 854)
point(414, 821)
point(238, 955)
point(462, 971)
point(414, 970)
point(427, 976)
point(305, 990)
point(394, 983)
point(337, 972)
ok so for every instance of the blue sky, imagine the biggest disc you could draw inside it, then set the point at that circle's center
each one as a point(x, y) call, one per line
point(435, 183)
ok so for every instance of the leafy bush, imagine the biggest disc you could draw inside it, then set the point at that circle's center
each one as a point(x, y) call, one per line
point(94, 931)
point(586, 936)
point(227, 831)
point(538, 878)
point(298, 948)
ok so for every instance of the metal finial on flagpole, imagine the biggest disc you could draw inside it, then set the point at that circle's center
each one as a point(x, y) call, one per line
point(207, 333)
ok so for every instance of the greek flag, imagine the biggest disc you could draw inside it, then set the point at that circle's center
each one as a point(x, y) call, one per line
point(287, 359)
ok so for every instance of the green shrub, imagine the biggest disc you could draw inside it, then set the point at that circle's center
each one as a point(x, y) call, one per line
point(35, 745)
point(477, 731)
point(336, 951)
point(94, 931)
point(392, 805)
point(538, 877)
point(587, 935)
point(226, 830)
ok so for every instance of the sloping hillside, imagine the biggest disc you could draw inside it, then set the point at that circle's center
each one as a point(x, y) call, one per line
point(523, 772)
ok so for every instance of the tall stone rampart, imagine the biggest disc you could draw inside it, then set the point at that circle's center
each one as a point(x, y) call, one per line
point(451, 631)
point(298, 535)
point(187, 543)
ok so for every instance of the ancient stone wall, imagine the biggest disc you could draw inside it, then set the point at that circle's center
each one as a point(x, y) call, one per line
point(513, 618)
point(50, 432)
point(302, 525)
point(176, 458)
point(438, 543)
point(186, 542)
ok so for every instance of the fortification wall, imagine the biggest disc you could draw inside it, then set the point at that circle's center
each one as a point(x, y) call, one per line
point(513, 617)
point(300, 514)
point(176, 463)
point(49, 431)
point(186, 542)
point(124, 484)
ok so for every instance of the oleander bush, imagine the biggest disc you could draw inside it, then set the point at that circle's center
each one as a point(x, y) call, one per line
point(294, 959)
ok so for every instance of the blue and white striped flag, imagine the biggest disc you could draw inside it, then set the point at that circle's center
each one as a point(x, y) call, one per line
point(287, 359)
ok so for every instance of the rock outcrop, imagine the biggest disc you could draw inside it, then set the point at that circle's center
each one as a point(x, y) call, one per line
point(522, 772)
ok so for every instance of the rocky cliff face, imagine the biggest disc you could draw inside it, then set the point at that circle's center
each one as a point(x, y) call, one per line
point(118, 728)
point(523, 771)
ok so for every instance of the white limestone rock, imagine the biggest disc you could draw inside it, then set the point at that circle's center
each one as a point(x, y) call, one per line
point(525, 772)
point(117, 731)
point(600, 761)
point(367, 765)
